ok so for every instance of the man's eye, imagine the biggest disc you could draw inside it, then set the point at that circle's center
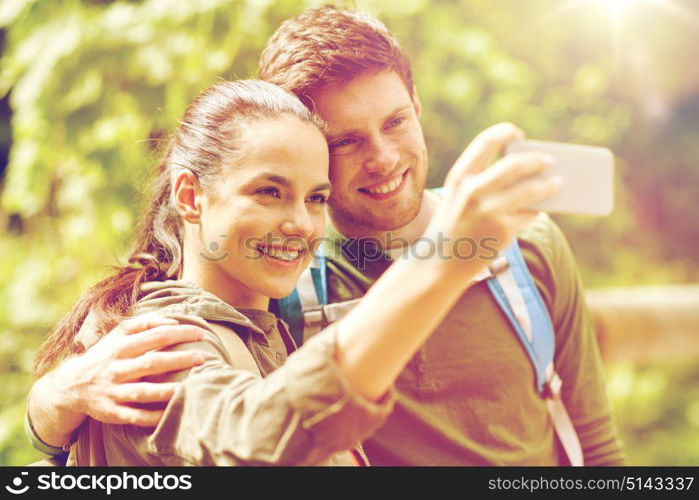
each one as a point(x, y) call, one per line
point(269, 191)
point(318, 198)
point(342, 142)
point(395, 122)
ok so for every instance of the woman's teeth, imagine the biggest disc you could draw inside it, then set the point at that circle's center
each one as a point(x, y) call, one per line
point(278, 253)
point(385, 188)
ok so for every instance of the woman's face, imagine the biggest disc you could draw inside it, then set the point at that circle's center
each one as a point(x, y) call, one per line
point(263, 217)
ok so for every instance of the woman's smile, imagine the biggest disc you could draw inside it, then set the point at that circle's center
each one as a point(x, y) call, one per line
point(277, 187)
point(282, 258)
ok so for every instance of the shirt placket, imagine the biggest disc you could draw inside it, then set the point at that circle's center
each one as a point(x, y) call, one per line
point(425, 383)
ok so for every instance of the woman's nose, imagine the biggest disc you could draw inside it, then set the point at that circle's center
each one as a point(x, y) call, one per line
point(298, 223)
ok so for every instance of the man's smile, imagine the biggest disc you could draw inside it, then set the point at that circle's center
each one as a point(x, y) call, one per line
point(387, 188)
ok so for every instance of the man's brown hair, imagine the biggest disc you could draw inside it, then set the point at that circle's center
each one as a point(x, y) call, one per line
point(327, 46)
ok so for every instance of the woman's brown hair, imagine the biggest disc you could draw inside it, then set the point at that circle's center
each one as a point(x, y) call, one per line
point(205, 141)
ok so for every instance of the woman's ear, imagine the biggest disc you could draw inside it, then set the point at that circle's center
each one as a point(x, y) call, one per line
point(187, 196)
point(416, 102)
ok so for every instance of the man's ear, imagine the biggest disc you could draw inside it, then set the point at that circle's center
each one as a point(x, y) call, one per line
point(187, 196)
point(416, 102)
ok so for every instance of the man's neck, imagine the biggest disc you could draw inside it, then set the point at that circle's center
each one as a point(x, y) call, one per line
point(402, 236)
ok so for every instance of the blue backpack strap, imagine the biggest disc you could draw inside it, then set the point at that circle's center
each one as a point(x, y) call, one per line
point(524, 309)
point(290, 311)
point(320, 281)
point(310, 293)
point(513, 288)
point(534, 329)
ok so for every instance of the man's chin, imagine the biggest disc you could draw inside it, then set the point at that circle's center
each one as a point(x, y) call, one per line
point(373, 222)
point(390, 224)
point(378, 216)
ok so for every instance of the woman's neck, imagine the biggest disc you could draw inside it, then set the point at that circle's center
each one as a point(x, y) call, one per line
point(212, 278)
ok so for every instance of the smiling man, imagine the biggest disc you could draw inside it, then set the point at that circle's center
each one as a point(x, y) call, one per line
point(469, 396)
point(378, 153)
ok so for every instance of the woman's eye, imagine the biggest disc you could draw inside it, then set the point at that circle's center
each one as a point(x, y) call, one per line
point(318, 198)
point(269, 191)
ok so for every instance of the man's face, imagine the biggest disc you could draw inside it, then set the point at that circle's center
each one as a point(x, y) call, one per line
point(378, 158)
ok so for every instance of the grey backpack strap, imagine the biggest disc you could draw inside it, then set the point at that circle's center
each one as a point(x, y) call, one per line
point(310, 307)
point(562, 423)
point(337, 311)
point(318, 317)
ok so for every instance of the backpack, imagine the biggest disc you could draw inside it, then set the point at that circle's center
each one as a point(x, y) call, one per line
point(307, 311)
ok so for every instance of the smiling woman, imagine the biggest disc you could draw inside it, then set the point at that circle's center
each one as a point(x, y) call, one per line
point(208, 186)
point(246, 175)
point(270, 205)
point(249, 163)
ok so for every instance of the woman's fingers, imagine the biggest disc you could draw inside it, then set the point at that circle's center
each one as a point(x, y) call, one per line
point(154, 363)
point(159, 337)
point(525, 194)
point(521, 217)
point(143, 392)
point(514, 168)
point(480, 153)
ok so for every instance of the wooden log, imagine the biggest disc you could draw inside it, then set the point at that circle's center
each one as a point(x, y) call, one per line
point(646, 323)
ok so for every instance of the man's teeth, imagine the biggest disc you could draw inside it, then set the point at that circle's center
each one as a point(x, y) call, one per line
point(386, 188)
point(278, 253)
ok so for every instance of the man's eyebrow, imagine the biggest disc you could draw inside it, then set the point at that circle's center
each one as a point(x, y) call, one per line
point(397, 110)
point(320, 187)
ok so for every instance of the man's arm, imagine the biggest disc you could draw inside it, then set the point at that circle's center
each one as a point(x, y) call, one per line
point(103, 382)
point(577, 357)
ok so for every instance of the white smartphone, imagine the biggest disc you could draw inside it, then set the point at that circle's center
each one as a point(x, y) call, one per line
point(587, 173)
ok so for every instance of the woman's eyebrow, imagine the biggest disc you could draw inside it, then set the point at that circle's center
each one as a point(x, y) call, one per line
point(276, 178)
point(284, 181)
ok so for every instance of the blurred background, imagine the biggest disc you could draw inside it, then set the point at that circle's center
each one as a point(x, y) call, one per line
point(89, 88)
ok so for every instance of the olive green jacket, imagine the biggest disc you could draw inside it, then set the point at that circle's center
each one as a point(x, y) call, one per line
point(249, 403)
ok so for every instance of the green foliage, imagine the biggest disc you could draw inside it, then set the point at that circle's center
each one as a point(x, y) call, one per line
point(657, 408)
point(96, 86)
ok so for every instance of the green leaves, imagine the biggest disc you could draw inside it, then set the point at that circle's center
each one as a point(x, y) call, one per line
point(95, 88)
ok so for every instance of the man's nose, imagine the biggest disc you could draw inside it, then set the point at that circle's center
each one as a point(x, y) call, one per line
point(382, 158)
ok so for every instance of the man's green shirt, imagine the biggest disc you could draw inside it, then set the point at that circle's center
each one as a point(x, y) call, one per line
point(468, 397)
